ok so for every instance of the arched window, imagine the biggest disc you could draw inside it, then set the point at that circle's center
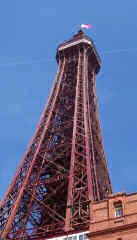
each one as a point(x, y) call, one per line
point(118, 209)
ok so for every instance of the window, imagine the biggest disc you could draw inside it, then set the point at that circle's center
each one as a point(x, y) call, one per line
point(118, 209)
point(83, 237)
point(70, 238)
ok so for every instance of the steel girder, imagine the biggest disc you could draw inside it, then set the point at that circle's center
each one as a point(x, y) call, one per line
point(64, 168)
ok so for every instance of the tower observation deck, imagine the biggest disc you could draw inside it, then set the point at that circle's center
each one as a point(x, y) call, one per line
point(64, 169)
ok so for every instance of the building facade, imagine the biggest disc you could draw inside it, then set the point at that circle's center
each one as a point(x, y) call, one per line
point(115, 218)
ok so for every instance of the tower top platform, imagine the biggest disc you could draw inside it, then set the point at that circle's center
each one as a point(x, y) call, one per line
point(79, 40)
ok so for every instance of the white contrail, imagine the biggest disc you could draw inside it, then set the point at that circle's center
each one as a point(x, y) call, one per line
point(119, 50)
point(15, 63)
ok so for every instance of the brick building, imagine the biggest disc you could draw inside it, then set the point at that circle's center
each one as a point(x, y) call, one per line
point(115, 218)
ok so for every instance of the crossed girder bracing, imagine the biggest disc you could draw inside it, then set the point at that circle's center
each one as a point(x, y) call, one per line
point(64, 169)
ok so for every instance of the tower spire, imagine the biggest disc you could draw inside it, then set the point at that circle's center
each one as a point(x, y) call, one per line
point(64, 168)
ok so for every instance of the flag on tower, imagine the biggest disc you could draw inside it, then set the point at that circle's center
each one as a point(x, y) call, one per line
point(87, 26)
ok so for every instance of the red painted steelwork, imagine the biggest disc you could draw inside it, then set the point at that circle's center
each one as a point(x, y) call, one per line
point(64, 169)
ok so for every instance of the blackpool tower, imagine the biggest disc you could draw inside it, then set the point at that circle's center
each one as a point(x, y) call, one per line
point(64, 169)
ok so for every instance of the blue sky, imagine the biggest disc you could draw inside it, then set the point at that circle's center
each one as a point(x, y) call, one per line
point(30, 32)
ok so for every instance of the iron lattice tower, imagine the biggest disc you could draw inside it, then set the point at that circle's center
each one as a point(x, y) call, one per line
point(64, 168)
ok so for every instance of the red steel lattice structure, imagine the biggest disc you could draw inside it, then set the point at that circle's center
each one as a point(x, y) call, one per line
point(64, 168)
